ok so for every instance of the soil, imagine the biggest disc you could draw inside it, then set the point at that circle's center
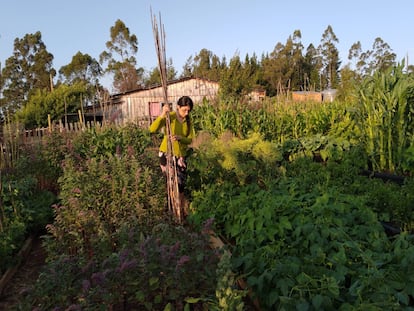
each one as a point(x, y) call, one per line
point(25, 276)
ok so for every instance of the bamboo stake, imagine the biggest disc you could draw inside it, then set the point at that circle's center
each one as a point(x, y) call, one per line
point(174, 204)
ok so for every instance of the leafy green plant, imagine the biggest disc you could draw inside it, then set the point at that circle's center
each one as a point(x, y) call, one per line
point(311, 238)
point(96, 198)
point(228, 296)
point(23, 211)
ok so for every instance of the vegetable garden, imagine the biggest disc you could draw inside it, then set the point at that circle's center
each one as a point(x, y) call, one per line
point(289, 187)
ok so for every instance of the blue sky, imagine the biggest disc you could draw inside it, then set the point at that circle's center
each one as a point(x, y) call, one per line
point(225, 27)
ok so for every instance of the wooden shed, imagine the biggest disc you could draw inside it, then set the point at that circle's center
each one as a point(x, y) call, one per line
point(144, 105)
point(304, 96)
point(327, 95)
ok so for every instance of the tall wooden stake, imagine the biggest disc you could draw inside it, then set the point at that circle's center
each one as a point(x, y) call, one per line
point(174, 204)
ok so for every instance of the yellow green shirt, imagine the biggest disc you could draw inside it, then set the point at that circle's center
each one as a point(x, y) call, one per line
point(177, 128)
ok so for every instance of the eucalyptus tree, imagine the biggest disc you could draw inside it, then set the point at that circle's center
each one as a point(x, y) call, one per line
point(274, 70)
point(86, 70)
point(187, 70)
point(358, 59)
point(312, 65)
point(239, 78)
point(252, 72)
point(295, 60)
point(82, 68)
point(330, 59)
point(380, 57)
point(232, 84)
point(120, 58)
point(347, 90)
point(284, 68)
point(27, 71)
point(205, 65)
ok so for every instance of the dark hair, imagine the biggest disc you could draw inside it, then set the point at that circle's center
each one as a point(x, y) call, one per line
point(185, 101)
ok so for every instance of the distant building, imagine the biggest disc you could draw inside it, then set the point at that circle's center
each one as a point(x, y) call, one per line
point(304, 96)
point(328, 95)
point(324, 96)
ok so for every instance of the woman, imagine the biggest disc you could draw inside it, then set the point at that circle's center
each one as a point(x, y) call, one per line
point(182, 134)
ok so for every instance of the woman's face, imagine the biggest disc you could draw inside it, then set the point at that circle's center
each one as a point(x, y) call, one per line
point(184, 111)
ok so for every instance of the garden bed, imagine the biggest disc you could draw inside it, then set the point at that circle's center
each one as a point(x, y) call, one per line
point(18, 279)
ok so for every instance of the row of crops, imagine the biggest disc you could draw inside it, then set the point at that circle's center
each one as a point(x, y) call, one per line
point(290, 189)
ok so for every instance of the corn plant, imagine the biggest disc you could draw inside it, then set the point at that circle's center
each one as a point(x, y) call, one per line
point(385, 117)
point(9, 147)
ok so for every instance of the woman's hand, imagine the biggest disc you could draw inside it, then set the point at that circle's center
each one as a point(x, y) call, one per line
point(165, 110)
point(176, 137)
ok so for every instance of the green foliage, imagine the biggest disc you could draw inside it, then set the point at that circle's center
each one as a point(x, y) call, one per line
point(130, 140)
point(120, 57)
point(12, 238)
point(83, 68)
point(385, 117)
point(228, 296)
point(238, 80)
point(312, 237)
point(276, 121)
point(110, 243)
point(28, 71)
point(99, 195)
point(62, 100)
point(230, 158)
point(305, 234)
point(23, 211)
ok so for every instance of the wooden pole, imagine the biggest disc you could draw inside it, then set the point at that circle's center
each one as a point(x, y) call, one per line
point(174, 204)
point(49, 122)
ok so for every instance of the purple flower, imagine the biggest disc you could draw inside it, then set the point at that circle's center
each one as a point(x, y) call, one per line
point(118, 151)
point(208, 226)
point(86, 285)
point(98, 278)
point(127, 265)
point(88, 267)
point(175, 248)
point(130, 151)
point(184, 259)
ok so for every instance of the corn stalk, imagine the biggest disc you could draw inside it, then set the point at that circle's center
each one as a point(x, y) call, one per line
point(385, 117)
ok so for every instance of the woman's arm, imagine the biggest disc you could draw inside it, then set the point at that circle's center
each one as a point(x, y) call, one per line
point(161, 120)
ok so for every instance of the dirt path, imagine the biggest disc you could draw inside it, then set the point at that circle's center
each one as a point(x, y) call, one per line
point(25, 276)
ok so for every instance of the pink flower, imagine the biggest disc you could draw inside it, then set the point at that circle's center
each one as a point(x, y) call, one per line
point(184, 259)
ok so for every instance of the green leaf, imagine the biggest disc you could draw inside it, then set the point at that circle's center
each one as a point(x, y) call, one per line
point(285, 223)
point(317, 302)
point(302, 306)
point(192, 299)
point(403, 298)
point(140, 296)
point(333, 287)
point(154, 283)
point(158, 299)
